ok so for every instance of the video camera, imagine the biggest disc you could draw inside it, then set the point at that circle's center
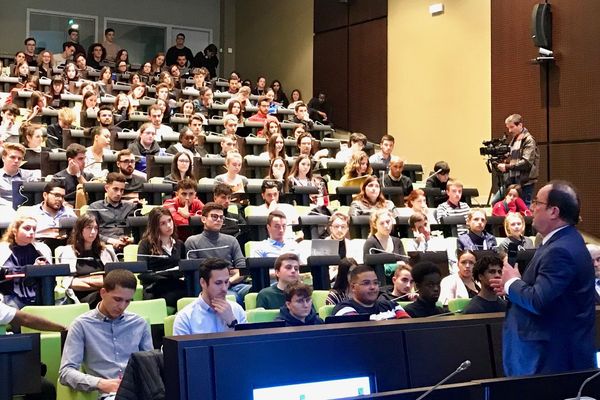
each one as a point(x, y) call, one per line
point(495, 148)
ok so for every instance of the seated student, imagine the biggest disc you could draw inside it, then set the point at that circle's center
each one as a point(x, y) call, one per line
point(86, 254)
point(9, 128)
point(74, 174)
point(278, 171)
point(306, 146)
point(160, 239)
point(380, 239)
point(228, 143)
point(514, 226)
point(416, 202)
point(477, 238)
point(340, 290)
point(212, 243)
point(262, 113)
point(302, 175)
point(512, 203)
point(230, 124)
point(384, 155)
point(357, 142)
point(232, 178)
point(275, 147)
point(195, 125)
point(298, 309)
point(460, 285)
point(287, 272)
point(454, 207)
point(94, 154)
point(277, 243)
point(486, 301)
point(427, 278)
point(156, 117)
point(18, 248)
point(186, 144)
point(233, 224)
point(181, 168)
point(54, 132)
point(370, 198)
point(364, 289)
point(184, 205)
point(134, 180)
point(422, 239)
point(12, 157)
point(301, 116)
point(211, 312)
point(338, 227)
point(403, 289)
point(112, 212)
point(146, 143)
point(357, 170)
point(32, 138)
point(395, 178)
point(439, 180)
point(270, 193)
point(594, 250)
point(50, 211)
point(102, 340)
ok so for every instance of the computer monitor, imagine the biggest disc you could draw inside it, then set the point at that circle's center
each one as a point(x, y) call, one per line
point(330, 389)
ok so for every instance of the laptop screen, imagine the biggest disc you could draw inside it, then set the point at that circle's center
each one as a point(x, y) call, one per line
point(331, 389)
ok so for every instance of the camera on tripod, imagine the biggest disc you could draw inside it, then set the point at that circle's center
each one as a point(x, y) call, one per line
point(496, 151)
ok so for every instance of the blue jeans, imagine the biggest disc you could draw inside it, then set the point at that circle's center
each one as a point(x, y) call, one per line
point(240, 290)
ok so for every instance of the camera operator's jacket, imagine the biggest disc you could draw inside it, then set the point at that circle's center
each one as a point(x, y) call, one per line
point(524, 169)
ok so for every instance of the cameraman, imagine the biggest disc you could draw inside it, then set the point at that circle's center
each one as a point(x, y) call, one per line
point(522, 162)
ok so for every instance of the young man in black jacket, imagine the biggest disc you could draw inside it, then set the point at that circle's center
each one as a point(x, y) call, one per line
point(298, 309)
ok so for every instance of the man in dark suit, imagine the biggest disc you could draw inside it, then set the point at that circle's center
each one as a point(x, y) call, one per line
point(549, 324)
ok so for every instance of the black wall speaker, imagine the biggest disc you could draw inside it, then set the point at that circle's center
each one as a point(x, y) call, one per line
point(541, 26)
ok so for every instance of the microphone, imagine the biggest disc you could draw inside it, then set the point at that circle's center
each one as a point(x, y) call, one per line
point(146, 255)
point(434, 173)
point(187, 255)
point(401, 297)
point(403, 257)
point(74, 258)
point(581, 388)
point(464, 365)
point(446, 314)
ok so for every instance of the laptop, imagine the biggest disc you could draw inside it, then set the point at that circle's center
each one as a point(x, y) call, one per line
point(324, 247)
point(337, 319)
point(259, 325)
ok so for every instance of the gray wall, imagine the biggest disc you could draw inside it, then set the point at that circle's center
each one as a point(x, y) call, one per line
point(198, 14)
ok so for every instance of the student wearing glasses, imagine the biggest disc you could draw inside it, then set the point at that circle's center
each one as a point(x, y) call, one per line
point(211, 243)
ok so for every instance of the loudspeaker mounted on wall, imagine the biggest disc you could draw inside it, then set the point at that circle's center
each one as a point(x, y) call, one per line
point(541, 26)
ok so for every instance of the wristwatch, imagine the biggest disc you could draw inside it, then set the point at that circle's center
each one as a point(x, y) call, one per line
point(232, 324)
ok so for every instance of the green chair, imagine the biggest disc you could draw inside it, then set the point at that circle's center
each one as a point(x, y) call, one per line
point(184, 301)
point(155, 310)
point(66, 393)
point(458, 305)
point(325, 311)
point(403, 303)
point(130, 252)
point(169, 322)
point(318, 298)
point(50, 341)
point(261, 315)
point(250, 301)
point(2, 329)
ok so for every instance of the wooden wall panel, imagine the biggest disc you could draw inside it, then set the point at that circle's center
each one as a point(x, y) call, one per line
point(579, 163)
point(361, 10)
point(329, 14)
point(517, 85)
point(330, 72)
point(575, 81)
point(368, 78)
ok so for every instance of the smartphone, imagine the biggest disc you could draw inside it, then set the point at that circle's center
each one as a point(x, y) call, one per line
point(512, 252)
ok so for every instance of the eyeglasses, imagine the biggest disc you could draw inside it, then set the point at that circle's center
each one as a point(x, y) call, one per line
point(368, 283)
point(216, 217)
point(59, 195)
point(536, 202)
point(127, 161)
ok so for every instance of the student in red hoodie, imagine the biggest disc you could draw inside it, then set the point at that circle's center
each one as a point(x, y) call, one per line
point(184, 205)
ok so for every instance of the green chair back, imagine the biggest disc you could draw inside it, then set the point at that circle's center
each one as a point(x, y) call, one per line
point(403, 303)
point(184, 301)
point(169, 322)
point(318, 298)
point(261, 315)
point(155, 310)
point(456, 305)
point(130, 252)
point(2, 329)
point(64, 314)
point(325, 311)
point(250, 301)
